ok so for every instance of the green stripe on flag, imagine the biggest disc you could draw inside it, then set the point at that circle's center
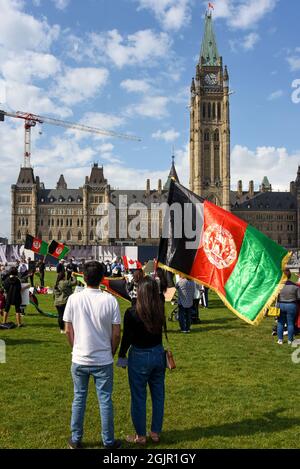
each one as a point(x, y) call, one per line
point(64, 252)
point(44, 249)
point(256, 278)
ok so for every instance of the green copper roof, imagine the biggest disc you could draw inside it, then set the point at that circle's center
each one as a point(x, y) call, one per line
point(209, 49)
point(266, 182)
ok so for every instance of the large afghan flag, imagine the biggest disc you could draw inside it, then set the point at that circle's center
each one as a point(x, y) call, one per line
point(228, 255)
point(36, 245)
point(58, 250)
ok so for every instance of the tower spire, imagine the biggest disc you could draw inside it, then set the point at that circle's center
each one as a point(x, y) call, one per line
point(209, 54)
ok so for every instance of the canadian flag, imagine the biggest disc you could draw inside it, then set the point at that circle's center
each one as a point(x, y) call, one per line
point(130, 264)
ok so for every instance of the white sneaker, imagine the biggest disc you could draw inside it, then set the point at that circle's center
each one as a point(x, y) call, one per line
point(279, 342)
point(285, 332)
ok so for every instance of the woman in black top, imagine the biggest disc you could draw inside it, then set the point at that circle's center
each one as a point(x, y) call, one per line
point(12, 286)
point(143, 325)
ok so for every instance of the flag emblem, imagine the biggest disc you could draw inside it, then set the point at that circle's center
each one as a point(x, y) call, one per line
point(219, 246)
point(59, 250)
point(36, 245)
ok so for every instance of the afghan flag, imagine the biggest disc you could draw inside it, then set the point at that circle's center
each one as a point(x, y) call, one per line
point(115, 286)
point(58, 250)
point(219, 250)
point(36, 245)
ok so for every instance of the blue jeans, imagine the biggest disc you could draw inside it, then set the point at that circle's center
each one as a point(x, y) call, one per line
point(147, 366)
point(287, 316)
point(185, 318)
point(103, 378)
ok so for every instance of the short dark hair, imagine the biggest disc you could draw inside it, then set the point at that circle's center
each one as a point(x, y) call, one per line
point(93, 273)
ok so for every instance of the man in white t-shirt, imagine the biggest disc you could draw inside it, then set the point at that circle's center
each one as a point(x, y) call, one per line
point(93, 321)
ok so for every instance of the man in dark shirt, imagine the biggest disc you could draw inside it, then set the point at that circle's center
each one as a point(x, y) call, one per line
point(31, 270)
point(42, 268)
point(71, 268)
point(60, 266)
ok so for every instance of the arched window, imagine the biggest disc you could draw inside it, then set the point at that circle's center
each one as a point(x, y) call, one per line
point(67, 222)
point(23, 221)
point(61, 222)
point(69, 236)
point(78, 222)
point(216, 135)
point(209, 111)
point(52, 222)
point(91, 236)
point(26, 221)
point(92, 222)
point(20, 221)
point(214, 110)
point(19, 235)
point(79, 236)
point(71, 222)
point(204, 110)
point(206, 135)
point(50, 236)
point(82, 222)
point(57, 222)
point(59, 236)
point(219, 111)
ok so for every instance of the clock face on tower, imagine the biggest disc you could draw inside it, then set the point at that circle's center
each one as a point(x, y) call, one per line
point(211, 79)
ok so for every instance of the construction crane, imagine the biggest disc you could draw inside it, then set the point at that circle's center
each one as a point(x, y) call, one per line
point(30, 120)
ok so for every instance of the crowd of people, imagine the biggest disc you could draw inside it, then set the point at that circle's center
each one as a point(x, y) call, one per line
point(91, 320)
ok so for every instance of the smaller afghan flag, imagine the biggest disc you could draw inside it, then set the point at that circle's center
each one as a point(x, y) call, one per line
point(242, 265)
point(115, 286)
point(58, 250)
point(36, 245)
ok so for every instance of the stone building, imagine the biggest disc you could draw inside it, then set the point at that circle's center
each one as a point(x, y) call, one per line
point(73, 215)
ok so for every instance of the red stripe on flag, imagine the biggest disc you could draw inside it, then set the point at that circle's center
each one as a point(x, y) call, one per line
point(125, 262)
point(219, 248)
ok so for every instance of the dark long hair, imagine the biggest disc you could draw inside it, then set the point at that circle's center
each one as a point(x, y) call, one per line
point(149, 307)
point(60, 276)
point(162, 280)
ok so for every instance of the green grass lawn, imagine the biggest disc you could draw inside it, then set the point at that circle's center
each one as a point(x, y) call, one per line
point(234, 387)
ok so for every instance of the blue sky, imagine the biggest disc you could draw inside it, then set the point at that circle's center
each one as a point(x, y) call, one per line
point(126, 66)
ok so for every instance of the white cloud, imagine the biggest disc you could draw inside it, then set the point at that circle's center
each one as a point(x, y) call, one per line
point(20, 31)
point(275, 95)
point(243, 14)
point(29, 65)
point(150, 106)
point(97, 120)
point(276, 163)
point(294, 60)
point(172, 14)
point(135, 86)
point(142, 48)
point(168, 136)
point(61, 4)
point(79, 84)
point(30, 98)
point(250, 40)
